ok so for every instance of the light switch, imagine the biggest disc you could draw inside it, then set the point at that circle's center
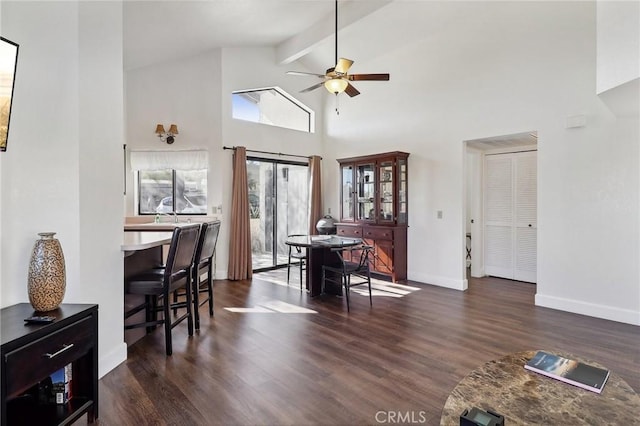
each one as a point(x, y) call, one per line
point(439, 214)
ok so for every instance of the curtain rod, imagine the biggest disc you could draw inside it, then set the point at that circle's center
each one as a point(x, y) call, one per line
point(268, 152)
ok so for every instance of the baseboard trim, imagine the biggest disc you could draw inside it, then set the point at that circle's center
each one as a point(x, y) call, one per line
point(111, 360)
point(626, 316)
point(477, 272)
point(221, 274)
point(439, 281)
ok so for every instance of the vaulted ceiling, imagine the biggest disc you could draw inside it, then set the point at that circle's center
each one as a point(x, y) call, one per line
point(159, 31)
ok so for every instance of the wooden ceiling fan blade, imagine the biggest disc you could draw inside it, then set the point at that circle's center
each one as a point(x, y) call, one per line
point(314, 87)
point(371, 77)
point(305, 73)
point(351, 91)
point(343, 65)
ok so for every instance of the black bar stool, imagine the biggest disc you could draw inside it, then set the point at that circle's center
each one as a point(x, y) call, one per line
point(159, 284)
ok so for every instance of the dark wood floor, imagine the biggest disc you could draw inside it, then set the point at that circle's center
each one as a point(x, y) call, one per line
point(333, 368)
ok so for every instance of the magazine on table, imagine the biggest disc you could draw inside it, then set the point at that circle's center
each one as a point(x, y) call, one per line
point(570, 371)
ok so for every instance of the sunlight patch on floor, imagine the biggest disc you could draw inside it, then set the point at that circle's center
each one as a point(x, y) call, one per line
point(379, 288)
point(274, 307)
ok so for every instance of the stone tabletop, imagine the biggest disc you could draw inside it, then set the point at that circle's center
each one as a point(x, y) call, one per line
point(527, 398)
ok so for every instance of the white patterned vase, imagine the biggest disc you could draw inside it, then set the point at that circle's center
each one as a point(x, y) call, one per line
point(47, 280)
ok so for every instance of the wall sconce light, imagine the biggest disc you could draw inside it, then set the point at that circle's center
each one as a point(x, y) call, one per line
point(167, 137)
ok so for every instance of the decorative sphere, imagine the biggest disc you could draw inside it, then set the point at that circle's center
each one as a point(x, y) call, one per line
point(326, 225)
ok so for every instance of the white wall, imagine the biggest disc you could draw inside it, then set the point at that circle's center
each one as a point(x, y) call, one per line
point(196, 95)
point(63, 168)
point(60, 171)
point(618, 51)
point(618, 43)
point(519, 66)
point(185, 92)
point(100, 179)
point(251, 68)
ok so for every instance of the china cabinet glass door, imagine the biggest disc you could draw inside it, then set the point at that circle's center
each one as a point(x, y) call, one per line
point(386, 191)
point(347, 192)
point(365, 192)
point(402, 190)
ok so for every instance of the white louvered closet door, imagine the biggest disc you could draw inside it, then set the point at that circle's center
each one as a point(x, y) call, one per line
point(510, 204)
point(498, 216)
point(526, 212)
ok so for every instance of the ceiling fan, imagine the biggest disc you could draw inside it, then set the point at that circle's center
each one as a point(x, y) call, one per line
point(337, 79)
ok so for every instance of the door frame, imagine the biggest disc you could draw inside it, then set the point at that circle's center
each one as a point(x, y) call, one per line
point(273, 208)
point(473, 189)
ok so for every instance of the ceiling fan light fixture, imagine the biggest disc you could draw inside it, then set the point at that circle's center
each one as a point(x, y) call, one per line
point(336, 85)
point(337, 78)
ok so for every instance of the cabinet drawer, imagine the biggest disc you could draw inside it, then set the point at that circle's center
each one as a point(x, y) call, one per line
point(349, 231)
point(37, 360)
point(378, 233)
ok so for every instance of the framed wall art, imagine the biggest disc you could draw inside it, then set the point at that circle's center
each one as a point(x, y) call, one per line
point(8, 66)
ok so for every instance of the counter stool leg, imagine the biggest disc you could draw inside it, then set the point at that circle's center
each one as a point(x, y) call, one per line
point(196, 298)
point(210, 286)
point(189, 292)
point(346, 279)
point(167, 325)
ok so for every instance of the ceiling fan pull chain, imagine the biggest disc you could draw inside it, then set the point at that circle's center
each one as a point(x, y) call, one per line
point(337, 110)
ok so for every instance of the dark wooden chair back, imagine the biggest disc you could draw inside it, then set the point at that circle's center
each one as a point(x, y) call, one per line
point(203, 262)
point(353, 261)
point(207, 241)
point(181, 254)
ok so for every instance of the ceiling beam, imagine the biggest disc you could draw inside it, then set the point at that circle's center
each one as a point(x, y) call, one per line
point(324, 30)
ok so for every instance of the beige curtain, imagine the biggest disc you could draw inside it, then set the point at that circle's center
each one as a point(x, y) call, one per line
point(240, 267)
point(315, 193)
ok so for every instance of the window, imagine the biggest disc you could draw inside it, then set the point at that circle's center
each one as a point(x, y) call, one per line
point(171, 181)
point(272, 106)
point(159, 188)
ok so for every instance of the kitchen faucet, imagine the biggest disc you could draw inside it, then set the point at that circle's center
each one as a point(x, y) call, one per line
point(174, 214)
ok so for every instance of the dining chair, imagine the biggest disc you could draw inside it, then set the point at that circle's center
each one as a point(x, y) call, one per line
point(354, 261)
point(299, 254)
point(203, 263)
point(159, 283)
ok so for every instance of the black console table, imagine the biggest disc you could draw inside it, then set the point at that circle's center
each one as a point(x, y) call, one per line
point(30, 353)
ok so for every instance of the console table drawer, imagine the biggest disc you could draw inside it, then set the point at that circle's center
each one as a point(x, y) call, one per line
point(35, 361)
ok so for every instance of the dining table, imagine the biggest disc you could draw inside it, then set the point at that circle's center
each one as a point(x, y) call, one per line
point(321, 250)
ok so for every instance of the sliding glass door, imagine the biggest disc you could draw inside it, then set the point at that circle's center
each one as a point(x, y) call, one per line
point(278, 202)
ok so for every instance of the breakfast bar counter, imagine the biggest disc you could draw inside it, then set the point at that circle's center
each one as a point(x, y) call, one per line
point(155, 227)
point(140, 240)
point(142, 250)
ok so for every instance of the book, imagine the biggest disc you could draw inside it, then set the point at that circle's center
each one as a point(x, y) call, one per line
point(61, 385)
point(570, 371)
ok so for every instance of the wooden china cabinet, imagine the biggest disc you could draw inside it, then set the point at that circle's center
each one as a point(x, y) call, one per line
point(374, 207)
